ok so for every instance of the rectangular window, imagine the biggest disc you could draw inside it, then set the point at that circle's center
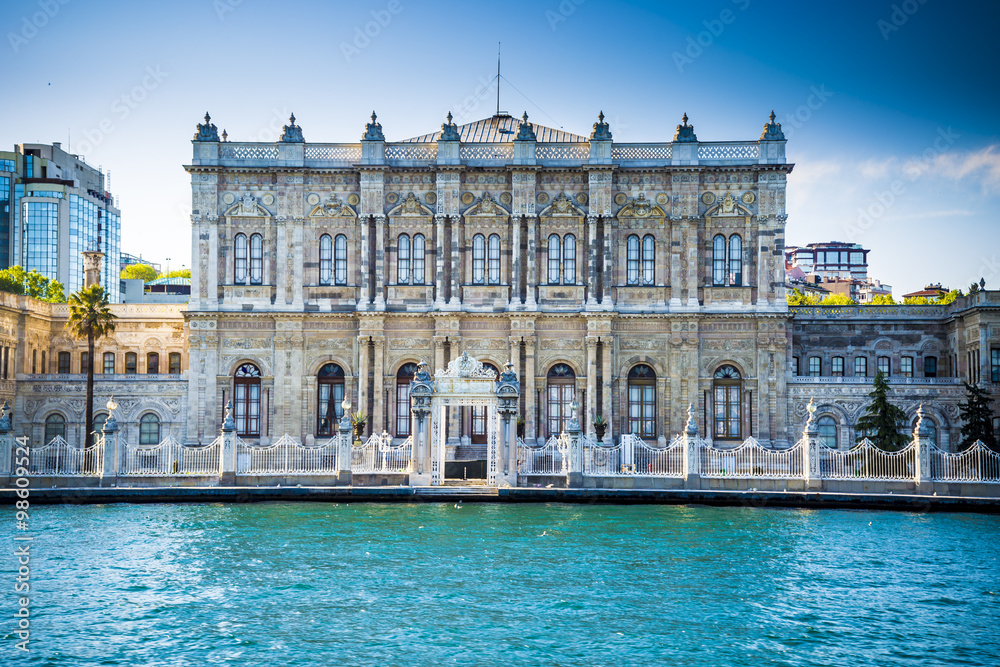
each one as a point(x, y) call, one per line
point(995, 364)
point(861, 367)
point(885, 366)
point(152, 363)
point(402, 409)
point(175, 363)
point(795, 365)
point(131, 362)
point(83, 362)
point(837, 367)
point(906, 367)
point(815, 366)
point(930, 367)
point(109, 363)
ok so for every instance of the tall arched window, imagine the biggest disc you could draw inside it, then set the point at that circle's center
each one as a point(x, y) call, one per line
point(149, 429)
point(632, 260)
point(554, 257)
point(648, 259)
point(719, 260)
point(256, 259)
point(735, 260)
point(240, 261)
point(827, 431)
point(325, 260)
point(403, 378)
point(419, 259)
point(246, 400)
point(340, 259)
point(642, 401)
point(55, 425)
point(494, 259)
point(329, 397)
point(478, 259)
point(569, 260)
point(403, 260)
point(152, 363)
point(727, 386)
point(478, 430)
point(560, 392)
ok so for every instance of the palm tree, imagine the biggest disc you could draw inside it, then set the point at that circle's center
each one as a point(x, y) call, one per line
point(90, 318)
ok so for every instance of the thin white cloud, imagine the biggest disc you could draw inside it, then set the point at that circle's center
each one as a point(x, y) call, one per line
point(982, 166)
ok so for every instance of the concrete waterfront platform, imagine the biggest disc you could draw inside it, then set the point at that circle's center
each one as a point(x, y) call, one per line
point(424, 494)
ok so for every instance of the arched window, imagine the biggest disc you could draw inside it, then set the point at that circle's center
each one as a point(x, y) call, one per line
point(727, 386)
point(632, 260)
point(340, 259)
point(642, 401)
point(494, 259)
point(330, 396)
point(256, 259)
point(55, 425)
point(560, 392)
point(554, 257)
point(246, 400)
point(131, 362)
point(99, 420)
point(827, 431)
point(719, 260)
point(152, 363)
point(403, 260)
point(648, 259)
point(735, 260)
point(932, 432)
point(240, 261)
point(325, 260)
point(569, 260)
point(403, 378)
point(34, 361)
point(478, 430)
point(419, 259)
point(175, 363)
point(478, 259)
point(149, 429)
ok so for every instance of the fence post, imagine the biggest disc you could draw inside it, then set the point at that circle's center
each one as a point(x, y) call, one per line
point(575, 450)
point(6, 445)
point(109, 471)
point(922, 455)
point(691, 454)
point(810, 449)
point(227, 457)
point(344, 445)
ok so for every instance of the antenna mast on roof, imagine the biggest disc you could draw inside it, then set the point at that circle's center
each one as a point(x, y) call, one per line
point(498, 78)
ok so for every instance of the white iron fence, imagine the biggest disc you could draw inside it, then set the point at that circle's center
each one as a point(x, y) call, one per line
point(378, 455)
point(287, 456)
point(199, 459)
point(552, 458)
point(159, 460)
point(632, 457)
point(865, 461)
point(979, 463)
point(59, 458)
point(750, 459)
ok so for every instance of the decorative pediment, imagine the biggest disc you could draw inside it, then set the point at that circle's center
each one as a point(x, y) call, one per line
point(640, 207)
point(562, 206)
point(728, 206)
point(466, 367)
point(411, 206)
point(487, 206)
point(333, 208)
point(248, 206)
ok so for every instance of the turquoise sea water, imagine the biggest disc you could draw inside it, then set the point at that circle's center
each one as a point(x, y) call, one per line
point(369, 584)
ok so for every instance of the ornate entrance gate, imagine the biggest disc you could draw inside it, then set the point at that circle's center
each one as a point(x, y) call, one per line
point(464, 383)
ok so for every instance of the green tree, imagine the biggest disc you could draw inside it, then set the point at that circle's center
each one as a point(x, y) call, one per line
point(976, 416)
point(916, 301)
point(16, 280)
point(139, 272)
point(92, 319)
point(178, 273)
point(883, 422)
point(883, 300)
point(949, 297)
point(797, 298)
point(838, 300)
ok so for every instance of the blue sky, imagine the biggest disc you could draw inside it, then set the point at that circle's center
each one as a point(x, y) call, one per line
point(889, 107)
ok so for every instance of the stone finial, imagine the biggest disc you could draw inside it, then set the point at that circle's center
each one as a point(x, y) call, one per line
point(811, 428)
point(373, 130)
point(292, 133)
point(772, 130)
point(225, 135)
point(691, 428)
point(525, 130)
point(922, 430)
point(5, 426)
point(111, 424)
point(229, 424)
point(207, 130)
point(684, 131)
point(601, 131)
point(449, 131)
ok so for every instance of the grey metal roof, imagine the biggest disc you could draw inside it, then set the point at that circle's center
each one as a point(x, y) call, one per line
point(498, 129)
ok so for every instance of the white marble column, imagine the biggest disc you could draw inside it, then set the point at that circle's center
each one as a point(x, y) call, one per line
point(515, 262)
point(380, 262)
point(439, 251)
point(592, 258)
point(587, 419)
point(364, 286)
point(456, 264)
point(532, 261)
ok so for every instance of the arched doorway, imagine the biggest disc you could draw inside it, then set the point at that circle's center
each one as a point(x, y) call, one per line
point(404, 420)
point(642, 401)
point(477, 426)
point(246, 400)
point(728, 416)
point(560, 391)
point(329, 397)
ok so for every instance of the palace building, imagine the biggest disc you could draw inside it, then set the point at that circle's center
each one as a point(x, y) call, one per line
point(634, 279)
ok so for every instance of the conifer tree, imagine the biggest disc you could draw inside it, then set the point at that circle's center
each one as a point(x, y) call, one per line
point(883, 422)
point(977, 418)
